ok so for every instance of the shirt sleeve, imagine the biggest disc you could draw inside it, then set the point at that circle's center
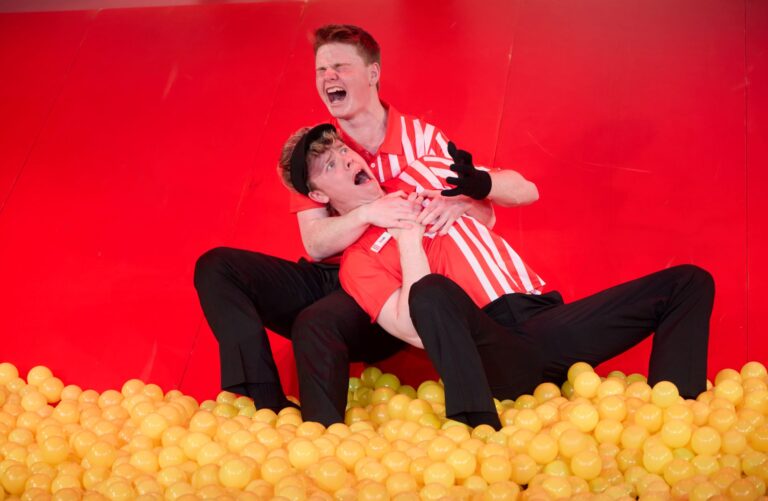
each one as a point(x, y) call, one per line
point(363, 277)
point(298, 202)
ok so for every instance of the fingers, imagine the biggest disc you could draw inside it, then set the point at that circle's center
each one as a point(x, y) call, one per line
point(452, 192)
point(428, 214)
point(452, 150)
point(465, 169)
point(448, 225)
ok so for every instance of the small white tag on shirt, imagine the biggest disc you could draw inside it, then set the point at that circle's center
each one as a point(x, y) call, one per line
point(381, 241)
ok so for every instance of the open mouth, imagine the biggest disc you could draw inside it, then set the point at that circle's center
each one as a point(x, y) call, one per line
point(335, 94)
point(362, 177)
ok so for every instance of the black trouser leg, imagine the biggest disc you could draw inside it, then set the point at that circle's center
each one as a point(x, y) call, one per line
point(327, 336)
point(243, 292)
point(675, 303)
point(475, 356)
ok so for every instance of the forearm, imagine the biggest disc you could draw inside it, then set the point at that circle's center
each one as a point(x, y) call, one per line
point(327, 236)
point(509, 188)
point(414, 266)
point(482, 210)
point(395, 316)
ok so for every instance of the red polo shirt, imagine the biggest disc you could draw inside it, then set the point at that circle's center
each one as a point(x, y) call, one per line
point(471, 255)
point(406, 139)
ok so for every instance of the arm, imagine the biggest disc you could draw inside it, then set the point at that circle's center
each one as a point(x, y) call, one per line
point(510, 189)
point(325, 236)
point(395, 316)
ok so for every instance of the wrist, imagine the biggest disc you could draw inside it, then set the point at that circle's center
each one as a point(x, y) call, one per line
point(361, 215)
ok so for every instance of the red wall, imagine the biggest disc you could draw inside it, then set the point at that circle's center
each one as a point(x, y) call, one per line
point(132, 140)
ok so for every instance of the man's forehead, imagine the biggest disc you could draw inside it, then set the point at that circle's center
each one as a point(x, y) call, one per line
point(317, 162)
point(338, 52)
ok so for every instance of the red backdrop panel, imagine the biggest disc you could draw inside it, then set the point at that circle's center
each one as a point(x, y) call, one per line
point(139, 170)
point(156, 139)
point(36, 53)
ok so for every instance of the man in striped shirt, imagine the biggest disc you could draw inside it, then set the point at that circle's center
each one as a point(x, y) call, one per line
point(242, 292)
point(475, 306)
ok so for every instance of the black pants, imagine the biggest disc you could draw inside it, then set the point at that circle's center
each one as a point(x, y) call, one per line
point(519, 341)
point(242, 293)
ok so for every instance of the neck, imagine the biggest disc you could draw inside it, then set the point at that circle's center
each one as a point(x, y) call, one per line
point(344, 208)
point(368, 127)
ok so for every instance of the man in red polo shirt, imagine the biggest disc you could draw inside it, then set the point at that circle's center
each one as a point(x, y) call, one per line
point(242, 292)
point(468, 299)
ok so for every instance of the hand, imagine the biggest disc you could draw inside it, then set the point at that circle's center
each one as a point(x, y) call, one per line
point(390, 211)
point(410, 229)
point(442, 212)
point(471, 182)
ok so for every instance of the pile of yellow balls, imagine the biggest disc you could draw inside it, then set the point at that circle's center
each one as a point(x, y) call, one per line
point(594, 437)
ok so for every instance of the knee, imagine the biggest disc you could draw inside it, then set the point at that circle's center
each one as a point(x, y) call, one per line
point(316, 330)
point(211, 264)
point(431, 292)
point(697, 278)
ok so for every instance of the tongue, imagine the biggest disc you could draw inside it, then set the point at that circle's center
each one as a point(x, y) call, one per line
point(337, 95)
point(361, 177)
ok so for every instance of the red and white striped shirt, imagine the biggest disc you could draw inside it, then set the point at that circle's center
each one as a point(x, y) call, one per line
point(406, 139)
point(474, 257)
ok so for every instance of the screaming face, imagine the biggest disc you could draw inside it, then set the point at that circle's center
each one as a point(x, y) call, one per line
point(341, 177)
point(345, 83)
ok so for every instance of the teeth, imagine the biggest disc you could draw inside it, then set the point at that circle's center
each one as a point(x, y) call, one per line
point(334, 89)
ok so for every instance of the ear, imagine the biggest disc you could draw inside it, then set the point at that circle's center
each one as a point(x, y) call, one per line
point(374, 71)
point(318, 196)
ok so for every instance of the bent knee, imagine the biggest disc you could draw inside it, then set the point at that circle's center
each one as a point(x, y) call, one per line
point(698, 277)
point(211, 263)
point(431, 290)
point(316, 327)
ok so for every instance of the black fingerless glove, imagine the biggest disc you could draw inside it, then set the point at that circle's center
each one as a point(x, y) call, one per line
point(471, 182)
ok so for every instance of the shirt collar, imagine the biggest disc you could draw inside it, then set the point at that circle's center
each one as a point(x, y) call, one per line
point(392, 143)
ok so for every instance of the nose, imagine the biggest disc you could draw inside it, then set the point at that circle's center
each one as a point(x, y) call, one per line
point(330, 74)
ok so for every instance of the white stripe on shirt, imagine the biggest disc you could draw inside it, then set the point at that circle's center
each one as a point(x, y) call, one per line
point(418, 139)
point(427, 173)
point(489, 261)
point(472, 260)
point(407, 146)
point(488, 239)
point(394, 164)
point(520, 267)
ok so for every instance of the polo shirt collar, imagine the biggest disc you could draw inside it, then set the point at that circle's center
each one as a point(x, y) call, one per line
point(392, 143)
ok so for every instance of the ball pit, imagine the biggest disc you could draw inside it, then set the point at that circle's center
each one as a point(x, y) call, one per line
point(612, 437)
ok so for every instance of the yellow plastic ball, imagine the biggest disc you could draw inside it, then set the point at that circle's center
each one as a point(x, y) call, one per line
point(586, 384)
point(586, 464)
point(542, 448)
point(439, 473)
point(664, 394)
point(584, 416)
point(706, 440)
point(8, 373)
point(753, 369)
point(38, 374)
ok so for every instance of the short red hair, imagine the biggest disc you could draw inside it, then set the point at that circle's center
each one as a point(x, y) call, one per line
point(366, 45)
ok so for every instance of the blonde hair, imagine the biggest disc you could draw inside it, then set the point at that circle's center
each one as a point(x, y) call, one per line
point(317, 148)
